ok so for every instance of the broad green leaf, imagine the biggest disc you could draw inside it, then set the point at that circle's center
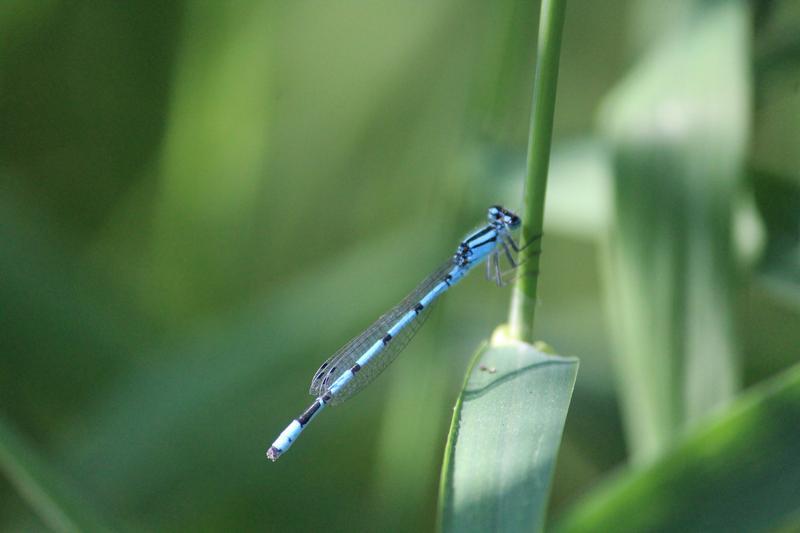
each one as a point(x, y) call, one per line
point(677, 129)
point(740, 472)
point(504, 439)
point(56, 502)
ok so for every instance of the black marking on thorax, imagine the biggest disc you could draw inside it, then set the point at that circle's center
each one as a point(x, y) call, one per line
point(478, 234)
point(386, 339)
point(484, 242)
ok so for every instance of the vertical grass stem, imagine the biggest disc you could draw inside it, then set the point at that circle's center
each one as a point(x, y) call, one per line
point(523, 303)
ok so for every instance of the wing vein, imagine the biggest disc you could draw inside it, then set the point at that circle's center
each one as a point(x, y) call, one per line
point(346, 356)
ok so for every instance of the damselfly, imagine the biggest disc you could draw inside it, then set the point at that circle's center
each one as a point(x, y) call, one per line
point(359, 361)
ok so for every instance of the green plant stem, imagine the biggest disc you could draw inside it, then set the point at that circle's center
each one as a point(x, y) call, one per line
point(55, 501)
point(523, 303)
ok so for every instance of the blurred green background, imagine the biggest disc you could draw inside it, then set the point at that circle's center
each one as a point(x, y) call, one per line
point(201, 201)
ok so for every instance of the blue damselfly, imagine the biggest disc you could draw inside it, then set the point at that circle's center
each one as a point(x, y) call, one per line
point(359, 361)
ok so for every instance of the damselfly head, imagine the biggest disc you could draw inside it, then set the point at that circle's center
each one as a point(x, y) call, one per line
point(501, 215)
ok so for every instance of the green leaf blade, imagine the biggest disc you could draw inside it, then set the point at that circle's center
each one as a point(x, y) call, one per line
point(739, 472)
point(504, 439)
point(57, 502)
point(676, 128)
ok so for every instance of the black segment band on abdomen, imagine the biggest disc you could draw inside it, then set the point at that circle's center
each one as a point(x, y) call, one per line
point(306, 416)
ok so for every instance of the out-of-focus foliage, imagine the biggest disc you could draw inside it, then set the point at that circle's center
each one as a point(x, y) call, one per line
point(201, 201)
point(677, 127)
point(52, 498)
point(698, 486)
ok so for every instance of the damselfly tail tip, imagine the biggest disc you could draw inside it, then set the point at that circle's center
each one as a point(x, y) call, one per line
point(273, 453)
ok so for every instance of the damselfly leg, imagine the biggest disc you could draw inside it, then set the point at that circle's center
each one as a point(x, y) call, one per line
point(507, 244)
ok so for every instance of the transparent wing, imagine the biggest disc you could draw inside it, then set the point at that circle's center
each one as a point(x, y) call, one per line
point(384, 359)
point(342, 360)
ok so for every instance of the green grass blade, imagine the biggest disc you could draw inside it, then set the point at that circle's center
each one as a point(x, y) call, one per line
point(677, 127)
point(740, 472)
point(56, 503)
point(504, 439)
